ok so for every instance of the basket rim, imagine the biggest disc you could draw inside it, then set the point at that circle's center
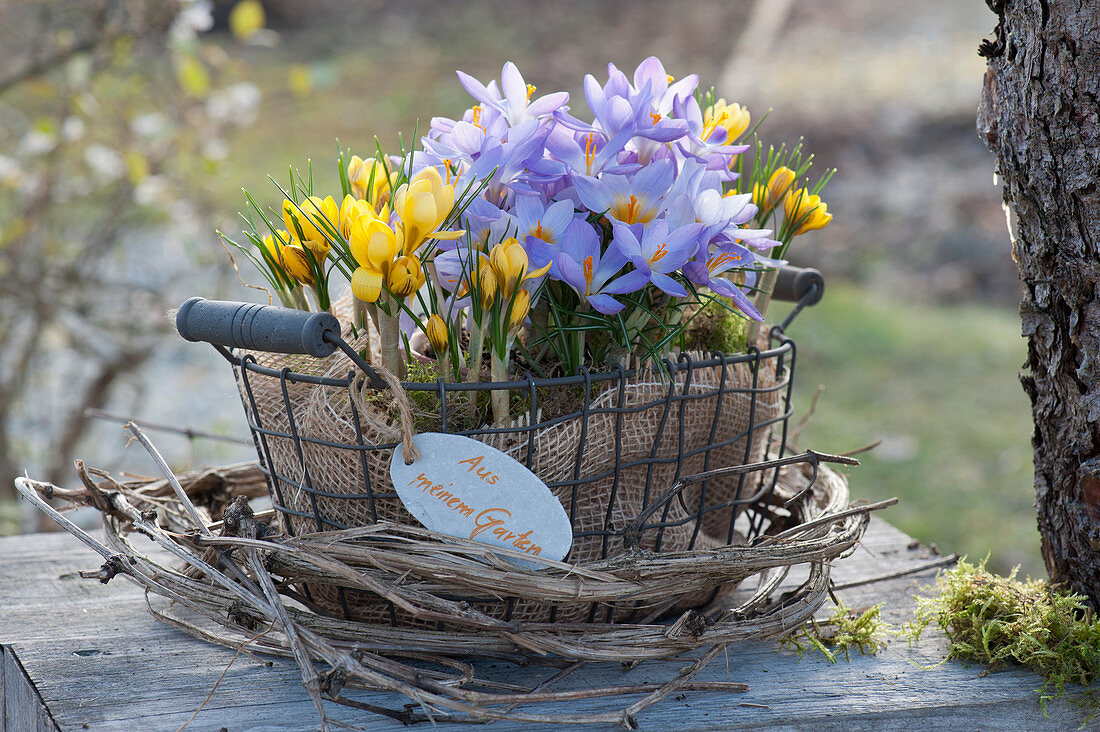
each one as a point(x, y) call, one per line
point(684, 363)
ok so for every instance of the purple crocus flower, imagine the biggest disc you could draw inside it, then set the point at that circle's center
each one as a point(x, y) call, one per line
point(705, 146)
point(580, 264)
point(636, 200)
point(708, 271)
point(543, 221)
point(515, 103)
point(657, 251)
point(588, 153)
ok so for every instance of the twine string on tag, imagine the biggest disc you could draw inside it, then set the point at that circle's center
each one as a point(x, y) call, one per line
point(404, 410)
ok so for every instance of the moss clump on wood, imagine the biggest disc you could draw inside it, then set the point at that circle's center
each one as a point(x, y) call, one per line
point(845, 631)
point(997, 621)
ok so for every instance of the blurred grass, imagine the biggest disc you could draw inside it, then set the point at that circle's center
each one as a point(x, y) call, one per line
point(938, 385)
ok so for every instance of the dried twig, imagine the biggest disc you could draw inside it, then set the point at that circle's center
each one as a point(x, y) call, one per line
point(234, 583)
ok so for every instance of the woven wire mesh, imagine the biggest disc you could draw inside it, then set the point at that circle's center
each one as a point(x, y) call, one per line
point(703, 516)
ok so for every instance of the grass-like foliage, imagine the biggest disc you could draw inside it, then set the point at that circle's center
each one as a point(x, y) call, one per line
point(998, 621)
point(845, 631)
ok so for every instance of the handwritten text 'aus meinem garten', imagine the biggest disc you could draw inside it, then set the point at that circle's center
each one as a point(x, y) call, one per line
point(490, 520)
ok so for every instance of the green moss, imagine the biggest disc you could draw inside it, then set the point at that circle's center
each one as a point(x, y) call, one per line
point(845, 631)
point(999, 621)
point(715, 328)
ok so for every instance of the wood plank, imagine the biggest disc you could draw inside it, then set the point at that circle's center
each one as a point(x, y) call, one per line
point(21, 708)
point(97, 658)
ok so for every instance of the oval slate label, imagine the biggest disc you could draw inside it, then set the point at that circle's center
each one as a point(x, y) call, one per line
point(465, 488)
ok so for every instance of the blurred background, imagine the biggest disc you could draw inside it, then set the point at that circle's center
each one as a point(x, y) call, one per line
point(129, 127)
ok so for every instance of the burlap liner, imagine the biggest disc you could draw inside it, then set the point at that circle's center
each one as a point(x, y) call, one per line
point(576, 458)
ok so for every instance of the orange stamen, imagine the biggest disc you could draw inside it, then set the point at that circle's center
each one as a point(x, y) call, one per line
point(718, 261)
point(477, 117)
point(655, 117)
point(660, 253)
point(587, 275)
point(589, 153)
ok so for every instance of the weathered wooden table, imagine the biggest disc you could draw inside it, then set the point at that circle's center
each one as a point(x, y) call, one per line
point(81, 655)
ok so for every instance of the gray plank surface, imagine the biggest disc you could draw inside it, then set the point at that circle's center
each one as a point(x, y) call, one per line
point(99, 661)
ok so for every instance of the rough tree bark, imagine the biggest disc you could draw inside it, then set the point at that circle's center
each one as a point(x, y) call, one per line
point(1040, 116)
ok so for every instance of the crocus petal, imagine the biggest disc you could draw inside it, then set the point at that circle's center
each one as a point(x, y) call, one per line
point(605, 304)
point(667, 284)
point(629, 282)
point(547, 104)
point(512, 84)
point(476, 89)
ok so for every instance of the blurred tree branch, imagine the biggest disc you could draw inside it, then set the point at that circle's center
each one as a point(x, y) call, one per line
point(104, 107)
point(38, 36)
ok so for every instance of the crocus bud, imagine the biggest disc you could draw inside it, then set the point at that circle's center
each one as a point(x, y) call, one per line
point(780, 182)
point(486, 286)
point(521, 306)
point(509, 260)
point(295, 257)
point(438, 336)
point(733, 118)
point(406, 276)
point(351, 209)
point(805, 212)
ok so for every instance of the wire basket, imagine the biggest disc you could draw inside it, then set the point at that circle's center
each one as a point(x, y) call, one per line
point(617, 448)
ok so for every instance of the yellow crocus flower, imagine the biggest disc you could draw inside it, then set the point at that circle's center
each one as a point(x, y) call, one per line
point(521, 306)
point(360, 172)
point(296, 260)
point(307, 218)
point(779, 184)
point(733, 117)
point(509, 261)
point(405, 276)
point(486, 286)
point(350, 209)
point(374, 245)
point(438, 336)
point(422, 204)
point(806, 212)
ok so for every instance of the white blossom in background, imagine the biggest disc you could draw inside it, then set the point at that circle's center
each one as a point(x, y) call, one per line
point(237, 104)
point(152, 190)
point(36, 142)
point(152, 124)
point(72, 129)
point(11, 173)
point(105, 164)
point(196, 17)
point(215, 149)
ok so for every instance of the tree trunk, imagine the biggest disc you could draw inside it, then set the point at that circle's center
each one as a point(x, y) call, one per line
point(1040, 115)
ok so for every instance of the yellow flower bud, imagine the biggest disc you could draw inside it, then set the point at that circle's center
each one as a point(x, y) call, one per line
point(406, 276)
point(375, 192)
point(438, 336)
point(486, 286)
point(313, 219)
point(779, 184)
point(274, 245)
point(520, 308)
point(733, 117)
point(805, 212)
point(509, 261)
point(296, 261)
